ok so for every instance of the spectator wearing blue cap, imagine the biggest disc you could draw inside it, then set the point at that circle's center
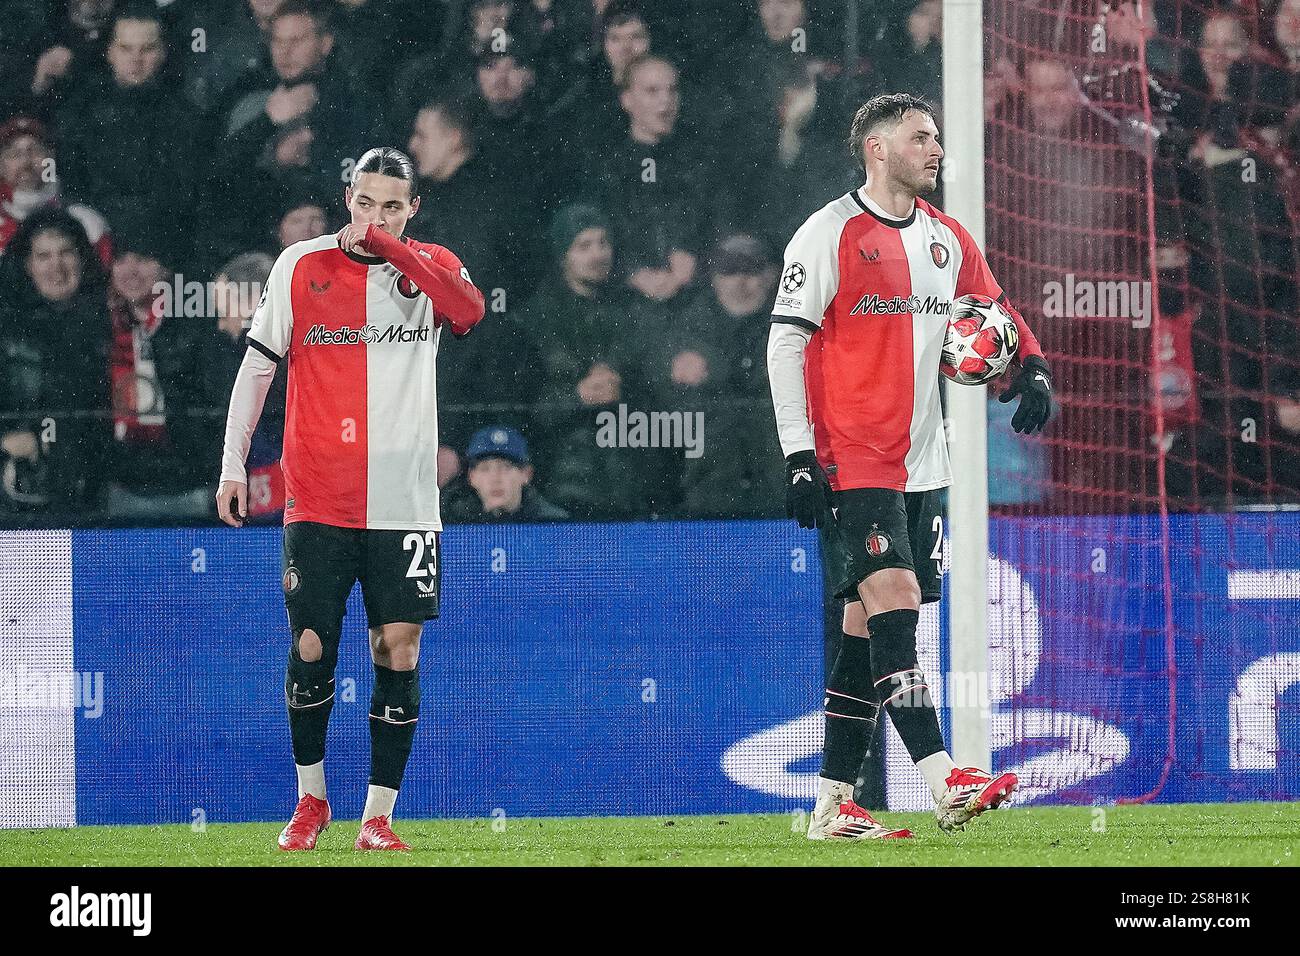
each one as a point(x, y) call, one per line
point(500, 473)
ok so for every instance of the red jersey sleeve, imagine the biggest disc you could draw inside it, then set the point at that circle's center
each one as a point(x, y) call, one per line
point(976, 277)
point(435, 271)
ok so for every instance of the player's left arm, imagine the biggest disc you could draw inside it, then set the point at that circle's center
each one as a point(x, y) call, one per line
point(1033, 381)
point(443, 279)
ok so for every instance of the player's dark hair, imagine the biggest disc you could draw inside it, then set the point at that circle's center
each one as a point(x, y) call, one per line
point(386, 161)
point(886, 108)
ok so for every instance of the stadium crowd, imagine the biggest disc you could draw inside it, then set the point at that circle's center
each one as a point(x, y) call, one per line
point(619, 177)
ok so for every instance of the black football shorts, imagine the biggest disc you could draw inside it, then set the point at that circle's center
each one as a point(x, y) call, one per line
point(400, 574)
point(878, 528)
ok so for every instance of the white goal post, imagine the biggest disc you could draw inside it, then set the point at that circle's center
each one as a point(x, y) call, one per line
point(962, 135)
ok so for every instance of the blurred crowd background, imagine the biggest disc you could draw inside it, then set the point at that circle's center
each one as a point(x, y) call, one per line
point(620, 177)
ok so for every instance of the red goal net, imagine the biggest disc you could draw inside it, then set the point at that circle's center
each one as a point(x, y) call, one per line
point(1140, 190)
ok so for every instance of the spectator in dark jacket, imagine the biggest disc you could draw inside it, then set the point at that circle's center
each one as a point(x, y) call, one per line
point(446, 67)
point(584, 324)
point(71, 53)
point(915, 61)
point(1243, 273)
point(501, 474)
point(304, 121)
point(713, 359)
point(26, 37)
point(717, 345)
point(589, 332)
point(657, 185)
point(54, 334)
point(302, 217)
point(520, 151)
point(232, 48)
point(463, 209)
point(127, 147)
point(461, 202)
point(591, 104)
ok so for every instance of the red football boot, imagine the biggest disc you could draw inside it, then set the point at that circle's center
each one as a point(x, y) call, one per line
point(377, 834)
point(310, 819)
point(851, 822)
point(970, 792)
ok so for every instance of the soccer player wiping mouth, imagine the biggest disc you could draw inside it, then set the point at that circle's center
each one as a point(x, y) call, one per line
point(358, 315)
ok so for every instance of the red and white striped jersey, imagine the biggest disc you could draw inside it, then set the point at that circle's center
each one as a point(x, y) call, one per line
point(877, 293)
point(361, 338)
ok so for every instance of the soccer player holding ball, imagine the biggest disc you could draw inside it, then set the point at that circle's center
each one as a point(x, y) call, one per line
point(858, 328)
point(358, 315)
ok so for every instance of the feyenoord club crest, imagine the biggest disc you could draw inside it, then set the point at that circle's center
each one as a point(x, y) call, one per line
point(292, 580)
point(407, 287)
point(939, 252)
point(793, 279)
point(877, 542)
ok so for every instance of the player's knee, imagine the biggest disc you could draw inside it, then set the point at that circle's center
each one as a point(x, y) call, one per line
point(404, 653)
point(396, 646)
point(889, 590)
point(309, 646)
point(318, 647)
point(855, 619)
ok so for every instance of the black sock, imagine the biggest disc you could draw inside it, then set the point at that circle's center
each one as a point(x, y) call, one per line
point(870, 789)
point(394, 710)
point(851, 710)
point(309, 693)
point(900, 685)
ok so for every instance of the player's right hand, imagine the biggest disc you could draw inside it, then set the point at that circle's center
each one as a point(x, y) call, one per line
point(807, 490)
point(352, 237)
point(232, 503)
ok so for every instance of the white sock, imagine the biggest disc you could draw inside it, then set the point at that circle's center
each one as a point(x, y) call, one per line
point(833, 792)
point(935, 769)
point(311, 779)
point(379, 803)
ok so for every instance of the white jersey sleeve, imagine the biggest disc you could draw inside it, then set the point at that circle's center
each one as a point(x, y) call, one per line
point(811, 275)
point(247, 399)
point(786, 345)
point(272, 327)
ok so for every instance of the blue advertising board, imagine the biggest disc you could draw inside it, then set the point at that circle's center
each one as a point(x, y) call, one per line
point(671, 668)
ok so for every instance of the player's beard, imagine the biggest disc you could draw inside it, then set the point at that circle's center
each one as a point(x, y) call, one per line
point(915, 181)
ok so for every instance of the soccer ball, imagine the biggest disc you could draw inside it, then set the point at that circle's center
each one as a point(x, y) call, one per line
point(980, 343)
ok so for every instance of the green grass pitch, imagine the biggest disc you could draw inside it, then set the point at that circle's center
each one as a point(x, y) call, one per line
point(1255, 834)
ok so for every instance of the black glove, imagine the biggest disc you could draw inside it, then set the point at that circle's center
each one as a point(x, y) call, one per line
point(807, 490)
point(1034, 386)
